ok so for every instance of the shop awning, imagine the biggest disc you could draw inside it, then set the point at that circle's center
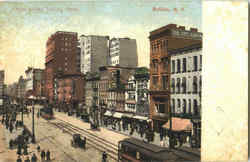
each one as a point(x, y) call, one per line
point(179, 124)
point(141, 117)
point(128, 115)
point(117, 115)
point(107, 113)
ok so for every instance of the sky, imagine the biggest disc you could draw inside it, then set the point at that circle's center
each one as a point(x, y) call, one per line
point(26, 25)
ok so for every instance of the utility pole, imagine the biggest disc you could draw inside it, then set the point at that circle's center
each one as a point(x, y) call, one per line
point(33, 124)
point(170, 129)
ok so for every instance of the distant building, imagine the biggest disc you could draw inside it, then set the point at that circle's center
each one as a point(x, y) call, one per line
point(21, 85)
point(123, 52)
point(62, 55)
point(69, 88)
point(33, 80)
point(2, 77)
point(94, 52)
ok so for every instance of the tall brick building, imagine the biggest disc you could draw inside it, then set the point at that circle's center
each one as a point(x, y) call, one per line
point(162, 40)
point(61, 56)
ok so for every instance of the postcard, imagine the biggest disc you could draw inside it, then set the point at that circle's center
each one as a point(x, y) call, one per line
point(122, 81)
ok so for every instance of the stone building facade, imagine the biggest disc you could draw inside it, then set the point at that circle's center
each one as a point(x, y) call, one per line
point(162, 40)
point(186, 85)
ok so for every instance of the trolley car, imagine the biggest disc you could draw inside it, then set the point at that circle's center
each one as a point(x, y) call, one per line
point(134, 150)
point(47, 113)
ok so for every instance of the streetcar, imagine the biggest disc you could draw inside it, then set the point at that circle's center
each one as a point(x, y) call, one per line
point(47, 113)
point(134, 150)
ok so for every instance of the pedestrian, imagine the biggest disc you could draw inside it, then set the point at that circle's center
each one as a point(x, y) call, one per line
point(11, 143)
point(27, 159)
point(104, 157)
point(33, 158)
point(16, 125)
point(84, 142)
point(11, 128)
point(48, 155)
point(43, 155)
point(19, 159)
point(19, 149)
point(38, 148)
point(25, 149)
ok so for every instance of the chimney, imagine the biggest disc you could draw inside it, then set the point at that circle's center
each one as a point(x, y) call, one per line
point(182, 28)
point(193, 30)
point(172, 26)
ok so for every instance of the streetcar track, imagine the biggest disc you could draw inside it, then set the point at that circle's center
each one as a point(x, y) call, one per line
point(95, 141)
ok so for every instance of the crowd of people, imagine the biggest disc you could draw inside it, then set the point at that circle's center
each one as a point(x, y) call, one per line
point(21, 142)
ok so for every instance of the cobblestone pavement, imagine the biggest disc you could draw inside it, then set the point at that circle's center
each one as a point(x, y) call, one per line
point(58, 142)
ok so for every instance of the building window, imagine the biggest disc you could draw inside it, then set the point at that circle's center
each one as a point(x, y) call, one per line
point(164, 82)
point(155, 80)
point(189, 106)
point(200, 62)
point(178, 105)
point(160, 108)
point(173, 66)
point(178, 85)
point(173, 106)
point(173, 85)
point(195, 84)
point(195, 63)
point(184, 66)
point(184, 106)
point(155, 65)
point(195, 108)
point(184, 85)
point(178, 66)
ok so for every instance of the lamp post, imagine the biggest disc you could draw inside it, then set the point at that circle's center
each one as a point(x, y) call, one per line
point(22, 109)
point(33, 121)
point(170, 129)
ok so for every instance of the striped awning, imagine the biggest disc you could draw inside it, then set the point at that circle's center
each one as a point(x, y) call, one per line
point(107, 113)
point(117, 115)
point(141, 117)
point(128, 115)
point(179, 124)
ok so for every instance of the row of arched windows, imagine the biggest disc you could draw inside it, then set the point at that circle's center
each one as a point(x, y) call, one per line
point(180, 65)
point(179, 85)
point(185, 106)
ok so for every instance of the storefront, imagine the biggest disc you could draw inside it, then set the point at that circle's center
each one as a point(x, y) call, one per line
point(181, 130)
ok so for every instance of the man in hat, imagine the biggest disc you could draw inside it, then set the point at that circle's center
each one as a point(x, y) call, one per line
point(43, 155)
point(48, 155)
point(19, 159)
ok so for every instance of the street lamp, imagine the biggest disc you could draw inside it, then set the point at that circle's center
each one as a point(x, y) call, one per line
point(33, 124)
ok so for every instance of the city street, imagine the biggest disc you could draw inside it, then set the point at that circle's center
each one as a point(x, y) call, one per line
point(59, 142)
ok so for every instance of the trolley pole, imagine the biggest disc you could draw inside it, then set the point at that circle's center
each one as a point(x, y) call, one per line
point(170, 129)
point(33, 124)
